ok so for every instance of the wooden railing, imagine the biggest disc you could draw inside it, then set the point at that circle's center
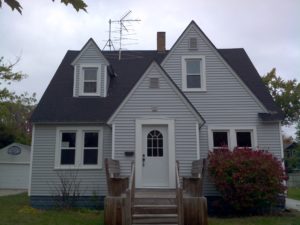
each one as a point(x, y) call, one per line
point(129, 199)
point(179, 196)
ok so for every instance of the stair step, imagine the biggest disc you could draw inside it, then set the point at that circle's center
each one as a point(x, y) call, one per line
point(155, 209)
point(155, 201)
point(154, 219)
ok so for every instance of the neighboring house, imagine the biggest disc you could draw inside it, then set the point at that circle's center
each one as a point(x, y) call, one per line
point(290, 149)
point(152, 107)
point(14, 166)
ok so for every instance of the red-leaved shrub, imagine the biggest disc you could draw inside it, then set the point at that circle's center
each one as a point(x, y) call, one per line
point(247, 179)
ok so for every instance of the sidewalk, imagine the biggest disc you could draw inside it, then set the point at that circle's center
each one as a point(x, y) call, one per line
point(292, 204)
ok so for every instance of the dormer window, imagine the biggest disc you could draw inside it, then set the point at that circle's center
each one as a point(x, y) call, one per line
point(193, 73)
point(90, 80)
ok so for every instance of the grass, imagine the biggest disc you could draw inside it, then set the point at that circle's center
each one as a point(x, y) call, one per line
point(294, 193)
point(287, 218)
point(15, 210)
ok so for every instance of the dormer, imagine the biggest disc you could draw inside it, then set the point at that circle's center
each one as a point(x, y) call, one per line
point(90, 72)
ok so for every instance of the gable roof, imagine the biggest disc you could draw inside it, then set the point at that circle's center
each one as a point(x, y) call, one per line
point(59, 106)
point(177, 91)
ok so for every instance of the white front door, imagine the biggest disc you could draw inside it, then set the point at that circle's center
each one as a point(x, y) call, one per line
point(155, 156)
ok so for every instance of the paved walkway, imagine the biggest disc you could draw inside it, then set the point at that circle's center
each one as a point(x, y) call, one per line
point(5, 192)
point(292, 204)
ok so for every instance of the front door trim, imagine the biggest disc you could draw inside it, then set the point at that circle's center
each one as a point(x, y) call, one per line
point(138, 147)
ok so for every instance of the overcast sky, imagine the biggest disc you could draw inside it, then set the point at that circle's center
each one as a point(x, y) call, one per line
point(269, 30)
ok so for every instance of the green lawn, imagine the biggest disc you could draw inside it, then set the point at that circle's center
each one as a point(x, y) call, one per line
point(294, 193)
point(15, 210)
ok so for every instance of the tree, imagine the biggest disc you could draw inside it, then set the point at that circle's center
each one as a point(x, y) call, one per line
point(15, 110)
point(77, 4)
point(286, 94)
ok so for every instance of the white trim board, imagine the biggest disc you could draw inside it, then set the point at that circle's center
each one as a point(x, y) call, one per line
point(31, 159)
point(184, 87)
point(138, 147)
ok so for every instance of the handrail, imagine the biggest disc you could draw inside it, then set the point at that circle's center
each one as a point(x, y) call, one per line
point(179, 196)
point(130, 197)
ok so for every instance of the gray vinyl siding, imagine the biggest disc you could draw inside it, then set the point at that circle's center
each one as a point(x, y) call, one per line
point(225, 103)
point(170, 106)
point(90, 55)
point(44, 176)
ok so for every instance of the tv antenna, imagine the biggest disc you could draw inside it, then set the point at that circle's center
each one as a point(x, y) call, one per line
point(124, 23)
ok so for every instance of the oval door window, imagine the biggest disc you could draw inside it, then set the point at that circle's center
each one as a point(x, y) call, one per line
point(155, 144)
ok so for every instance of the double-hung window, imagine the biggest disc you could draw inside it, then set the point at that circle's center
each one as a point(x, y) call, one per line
point(79, 148)
point(90, 80)
point(193, 73)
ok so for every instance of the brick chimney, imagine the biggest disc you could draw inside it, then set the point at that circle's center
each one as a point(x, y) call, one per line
point(161, 41)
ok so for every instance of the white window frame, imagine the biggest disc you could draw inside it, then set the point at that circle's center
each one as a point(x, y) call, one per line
point(81, 79)
point(202, 73)
point(232, 141)
point(79, 147)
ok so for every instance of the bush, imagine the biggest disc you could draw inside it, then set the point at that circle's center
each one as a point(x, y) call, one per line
point(247, 179)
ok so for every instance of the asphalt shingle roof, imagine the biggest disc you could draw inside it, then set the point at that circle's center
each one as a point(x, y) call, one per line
point(59, 106)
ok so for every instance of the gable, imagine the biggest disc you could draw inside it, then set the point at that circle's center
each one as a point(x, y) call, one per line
point(215, 63)
point(15, 152)
point(90, 56)
point(220, 77)
point(160, 100)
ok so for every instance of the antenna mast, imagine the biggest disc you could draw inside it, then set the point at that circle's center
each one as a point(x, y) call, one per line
point(123, 27)
point(109, 42)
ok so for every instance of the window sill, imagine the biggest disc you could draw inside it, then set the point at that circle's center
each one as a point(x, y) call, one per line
point(193, 90)
point(89, 95)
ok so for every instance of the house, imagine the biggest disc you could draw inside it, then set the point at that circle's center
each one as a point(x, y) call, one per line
point(289, 149)
point(14, 166)
point(153, 107)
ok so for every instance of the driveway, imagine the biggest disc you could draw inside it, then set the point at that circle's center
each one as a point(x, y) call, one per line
point(5, 192)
